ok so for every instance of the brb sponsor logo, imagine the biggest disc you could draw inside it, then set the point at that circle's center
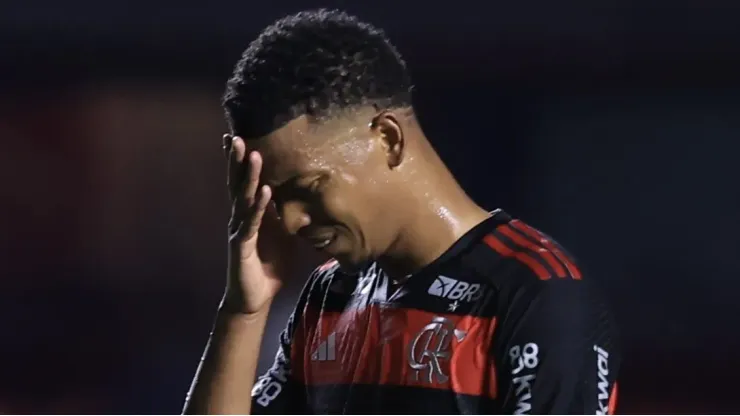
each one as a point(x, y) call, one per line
point(602, 372)
point(268, 388)
point(524, 360)
point(453, 289)
point(431, 347)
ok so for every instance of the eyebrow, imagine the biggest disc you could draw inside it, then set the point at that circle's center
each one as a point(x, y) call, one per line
point(293, 179)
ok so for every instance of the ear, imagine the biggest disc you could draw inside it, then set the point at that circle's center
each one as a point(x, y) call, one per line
point(385, 125)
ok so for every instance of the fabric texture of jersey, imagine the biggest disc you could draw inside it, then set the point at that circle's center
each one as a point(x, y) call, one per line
point(503, 323)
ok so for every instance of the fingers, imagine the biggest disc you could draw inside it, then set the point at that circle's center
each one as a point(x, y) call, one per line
point(253, 178)
point(249, 200)
point(236, 149)
point(259, 208)
point(237, 143)
point(226, 144)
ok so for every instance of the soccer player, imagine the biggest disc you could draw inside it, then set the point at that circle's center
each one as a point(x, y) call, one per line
point(431, 304)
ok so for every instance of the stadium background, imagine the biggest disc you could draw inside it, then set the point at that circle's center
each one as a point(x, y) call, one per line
point(612, 125)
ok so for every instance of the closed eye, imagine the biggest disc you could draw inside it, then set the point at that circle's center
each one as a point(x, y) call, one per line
point(303, 190)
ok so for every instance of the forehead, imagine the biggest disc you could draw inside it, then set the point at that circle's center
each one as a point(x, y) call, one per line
point(302, 147)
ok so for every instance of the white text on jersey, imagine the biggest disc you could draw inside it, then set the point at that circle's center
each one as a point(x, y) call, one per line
point(524, 361)
point(602, 364)
point(268, 388)
point(453, 289)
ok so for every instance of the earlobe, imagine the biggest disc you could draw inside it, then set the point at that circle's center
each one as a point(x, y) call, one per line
point(387, 127)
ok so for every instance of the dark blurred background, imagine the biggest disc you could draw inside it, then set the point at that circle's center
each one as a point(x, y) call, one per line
point(611, 125)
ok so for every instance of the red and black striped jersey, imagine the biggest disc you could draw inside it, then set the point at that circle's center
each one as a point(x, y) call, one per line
point(504, 322)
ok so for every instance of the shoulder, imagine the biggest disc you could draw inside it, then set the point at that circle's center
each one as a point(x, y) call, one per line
point(516, 257)
point(537, 277)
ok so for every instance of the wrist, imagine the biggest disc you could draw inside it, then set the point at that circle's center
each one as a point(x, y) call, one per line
point(233, 304)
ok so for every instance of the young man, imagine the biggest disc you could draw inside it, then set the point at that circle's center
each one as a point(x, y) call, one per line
point(431, 304)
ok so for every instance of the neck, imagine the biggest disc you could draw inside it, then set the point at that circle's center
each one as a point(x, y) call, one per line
point(432, 230)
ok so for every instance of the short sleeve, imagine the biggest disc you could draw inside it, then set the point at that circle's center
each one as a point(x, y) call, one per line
point(556, 351)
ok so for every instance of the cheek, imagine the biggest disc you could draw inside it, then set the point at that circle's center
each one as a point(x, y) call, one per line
point(335, 205)
point(349, 203)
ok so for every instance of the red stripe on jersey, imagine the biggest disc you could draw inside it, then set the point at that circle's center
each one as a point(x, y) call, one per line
point(493, 382)
point(328, 265)
point(501, 249)
point(613, 400)
point(543, 252)
point(572, 269)
point(398, 347)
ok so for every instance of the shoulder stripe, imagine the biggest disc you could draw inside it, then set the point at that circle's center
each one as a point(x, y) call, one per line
point(326, 266)
point(546, 243)
point(541, 251)
point(504, 251)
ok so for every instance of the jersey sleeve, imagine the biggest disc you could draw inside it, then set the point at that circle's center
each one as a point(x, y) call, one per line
point(556, 351)
point(278, 391)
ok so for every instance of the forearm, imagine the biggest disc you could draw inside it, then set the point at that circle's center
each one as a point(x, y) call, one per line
point(226, 374)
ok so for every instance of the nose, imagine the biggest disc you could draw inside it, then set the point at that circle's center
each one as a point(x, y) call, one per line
point(293, 216)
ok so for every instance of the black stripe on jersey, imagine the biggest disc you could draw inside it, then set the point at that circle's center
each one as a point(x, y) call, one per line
point(564, 258)
point(380, 399)
point(568, 255)
point(536, 242)
point(527, 236)
point(521, 249)
point(490, 267)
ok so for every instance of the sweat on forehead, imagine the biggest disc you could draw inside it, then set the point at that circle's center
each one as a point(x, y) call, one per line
point(305, 144)
point(312, 131)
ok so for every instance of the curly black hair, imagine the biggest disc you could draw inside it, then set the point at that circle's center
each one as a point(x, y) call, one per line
point(313, 63)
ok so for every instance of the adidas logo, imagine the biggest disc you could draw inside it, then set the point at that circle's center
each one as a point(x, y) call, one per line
point(453, 289)
point(326, 350)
